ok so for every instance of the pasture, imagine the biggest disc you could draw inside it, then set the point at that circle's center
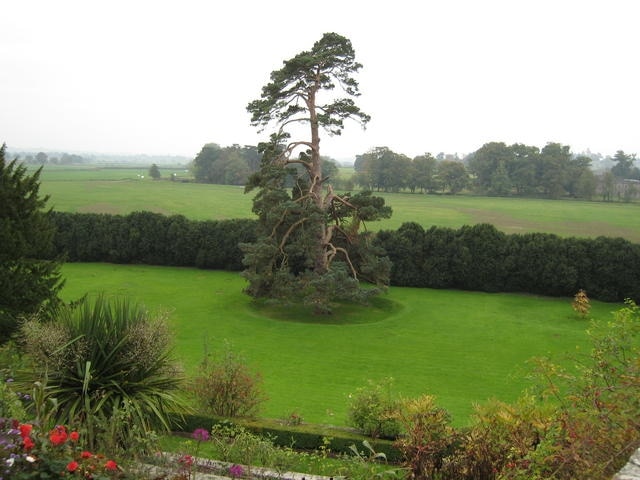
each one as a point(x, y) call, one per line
point(463, 347)
point(122, 190)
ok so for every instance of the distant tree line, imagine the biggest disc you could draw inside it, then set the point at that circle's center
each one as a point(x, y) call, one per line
point(235, 164)
point(382, 169)
point(497, 169)
point(41, 158)
point(479, 257)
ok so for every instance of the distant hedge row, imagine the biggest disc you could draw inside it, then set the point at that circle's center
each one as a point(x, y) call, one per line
point(153, 239)
point(482, 258)
point(475, 257)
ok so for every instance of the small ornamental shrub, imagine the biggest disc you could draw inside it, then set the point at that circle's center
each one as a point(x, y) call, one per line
point(28, 452)
point(581, 304)
point(374, 411)
point(428, 437)
point(226, 387)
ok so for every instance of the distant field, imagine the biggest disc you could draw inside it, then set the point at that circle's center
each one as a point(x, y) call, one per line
point(464, 347)
point(120, 191)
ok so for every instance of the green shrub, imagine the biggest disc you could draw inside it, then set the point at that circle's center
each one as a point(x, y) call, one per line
point(104, 366)
point(428, 437)
point(226, 387)
point(374, 411)
point(501, 438)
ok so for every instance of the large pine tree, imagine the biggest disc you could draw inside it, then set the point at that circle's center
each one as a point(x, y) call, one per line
point(310, 247)
point(28, 282)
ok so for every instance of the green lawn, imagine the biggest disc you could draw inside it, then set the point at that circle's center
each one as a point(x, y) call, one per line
point(464, 347)
point(122, 190)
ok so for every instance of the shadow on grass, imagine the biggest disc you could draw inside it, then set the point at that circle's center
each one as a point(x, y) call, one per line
point(377, 310)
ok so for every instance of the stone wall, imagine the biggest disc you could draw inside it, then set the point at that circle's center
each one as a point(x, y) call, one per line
point(631, 471)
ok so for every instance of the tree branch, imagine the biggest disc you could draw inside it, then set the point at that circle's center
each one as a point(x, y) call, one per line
point(289, 232)
point(333, 250)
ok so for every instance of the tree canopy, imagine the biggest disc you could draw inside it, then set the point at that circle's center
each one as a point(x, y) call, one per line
point(309, 243)
point(27, 282)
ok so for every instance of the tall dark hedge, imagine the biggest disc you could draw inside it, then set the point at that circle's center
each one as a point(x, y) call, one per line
point(151, 238)
point(475, 257)
point(482, 258)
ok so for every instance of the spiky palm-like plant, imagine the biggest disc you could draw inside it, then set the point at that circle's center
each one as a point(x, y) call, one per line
point(107, 367)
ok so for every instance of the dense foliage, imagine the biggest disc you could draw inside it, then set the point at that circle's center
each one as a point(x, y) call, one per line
point(151, 238)
point(482, 258)
point(28, 283)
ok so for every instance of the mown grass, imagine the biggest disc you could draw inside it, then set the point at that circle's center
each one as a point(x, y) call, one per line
point(121, 191)
point(464, 347)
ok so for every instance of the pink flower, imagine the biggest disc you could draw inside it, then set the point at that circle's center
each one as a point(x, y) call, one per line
point(236, 471)
point(200, 434)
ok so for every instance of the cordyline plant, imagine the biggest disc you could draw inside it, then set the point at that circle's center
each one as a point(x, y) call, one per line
point(105, 366)
point(309, 247)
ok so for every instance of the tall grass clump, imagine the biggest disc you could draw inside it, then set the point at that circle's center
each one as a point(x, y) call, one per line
point(105, 366)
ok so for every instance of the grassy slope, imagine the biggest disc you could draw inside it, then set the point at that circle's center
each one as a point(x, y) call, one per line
point(462, 346)
point(121, 191)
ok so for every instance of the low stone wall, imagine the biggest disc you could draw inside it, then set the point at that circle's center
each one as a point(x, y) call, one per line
point(631, 471)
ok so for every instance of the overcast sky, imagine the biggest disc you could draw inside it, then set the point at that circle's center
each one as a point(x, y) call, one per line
point(160, 77)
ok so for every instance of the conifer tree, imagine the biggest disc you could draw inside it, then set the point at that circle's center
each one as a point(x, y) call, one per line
point(29, 279)
point(309, 245)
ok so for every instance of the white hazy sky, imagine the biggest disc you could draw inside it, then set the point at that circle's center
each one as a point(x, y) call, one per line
point(160, 77)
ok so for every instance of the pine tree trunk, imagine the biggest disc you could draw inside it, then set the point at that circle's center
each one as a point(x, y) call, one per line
point(315, 177)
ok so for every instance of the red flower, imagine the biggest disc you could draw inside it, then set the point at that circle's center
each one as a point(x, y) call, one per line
point(28, 443)
point(25, 430)
point(86, 454)
point(74, 436)
point(72, 466)
point(111, 465)
point(58, 435)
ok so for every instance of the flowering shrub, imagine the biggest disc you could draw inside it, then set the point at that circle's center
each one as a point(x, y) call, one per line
point(26, 452)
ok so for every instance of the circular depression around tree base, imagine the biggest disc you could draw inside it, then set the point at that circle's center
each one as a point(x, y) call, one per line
point(377, 310)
